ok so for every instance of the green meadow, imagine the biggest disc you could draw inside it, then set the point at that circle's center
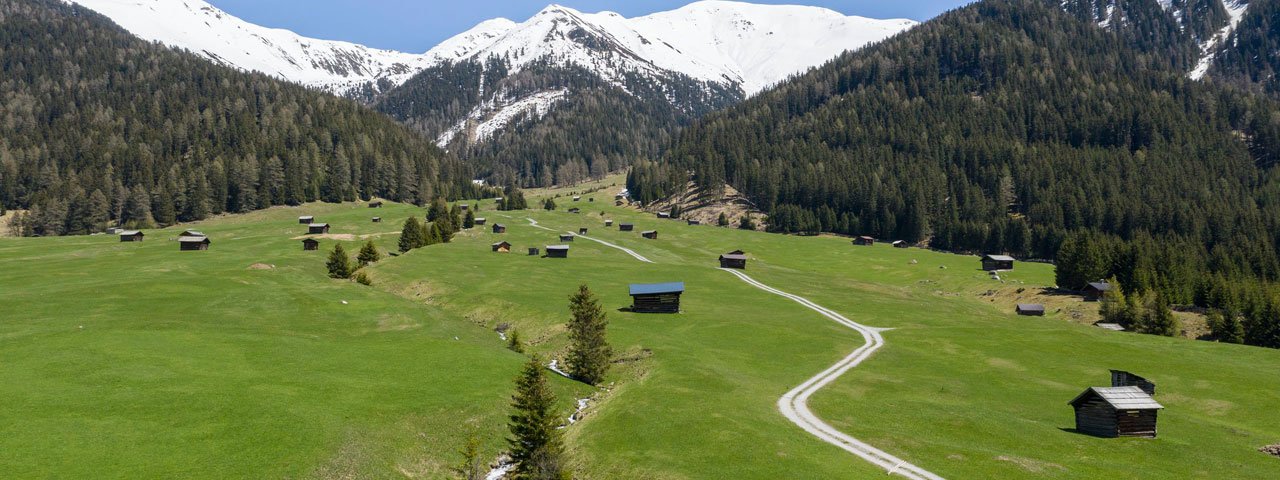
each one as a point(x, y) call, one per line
point(125, 360)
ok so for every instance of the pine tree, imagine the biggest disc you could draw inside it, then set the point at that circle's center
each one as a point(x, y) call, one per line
point(549, 205)
point(589, 351)
point(469, 221)
point(723, 221)
point(411, 235)
point(339, 263)
point(746, 223)
point(1226, 326)
point(513, 341)
point(472, 466)
point(1159, 320)
point(368, 254)
point(535, 443)
point(1081, 260)
point(438, 209)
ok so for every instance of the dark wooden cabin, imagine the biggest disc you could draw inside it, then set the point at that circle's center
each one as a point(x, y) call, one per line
point(694, 222)
point(192, 233)
point(1030, 309)
point(310, 244)
point(566, 237)
point(306, 220)
point(1116, 412)
point(626, 227)
point(582, 230)
point(502, 247)
point(664, 215)
point(656, 297)
point(864, 241)
point(608, 223)
point(592, 199)
point(650, 234)
point(1095, 290)
point(577, 198)
point(480, 221)
point(733, 260)
point(377, 219)
point(1121, 378)
point(993, 263)
point(575, 210)
point(193, 243)
point(464, 207)
point(375, 204)
point(901, 244)
point(533, 252)
point(131, 236)
point(317, 228)
point(499, 228)
point(557, 251)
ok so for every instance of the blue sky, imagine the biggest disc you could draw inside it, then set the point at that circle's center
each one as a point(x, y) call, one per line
point(418, 25)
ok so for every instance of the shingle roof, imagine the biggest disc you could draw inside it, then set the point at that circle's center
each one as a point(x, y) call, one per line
point(1122, 398)
point(1110, 326)
point(1100, 286)
point(318, 225)
point(999, 258)
point(557, 247)
point(1030, 307)
point(502, 243)
point(655, 288)
point(129, 233)
point(193, 239)
point(732, 256)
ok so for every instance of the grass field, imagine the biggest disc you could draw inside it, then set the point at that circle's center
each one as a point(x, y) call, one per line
point(136, 360)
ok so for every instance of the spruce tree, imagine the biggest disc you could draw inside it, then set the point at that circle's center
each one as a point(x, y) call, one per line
point(513, 341)
point(723, 221)
point(536, 447)
point(368, 254)
point(339, 263)
point(1082, 259)
point(438, 209)
point(589, 351)
point(549, 205)
point(469, 221)
point(1159, 320)
point(411, 235)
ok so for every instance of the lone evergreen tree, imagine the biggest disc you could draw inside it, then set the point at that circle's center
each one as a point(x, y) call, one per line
point(589, 352)
point(535, 443)
point(339, 263)
point(469, 221)
point(723, 221)
point(549, 205)
point(513, 341)
point(746, 223)
point(368, 254)
point(411, 236)
point(1159, 320)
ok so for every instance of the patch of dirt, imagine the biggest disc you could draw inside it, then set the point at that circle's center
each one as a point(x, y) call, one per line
point(1006, 364)
point(706, 207)
point(1031, 465)
point(261, 266)
point(5, 220)
point(1273, 450)
point(343, 237)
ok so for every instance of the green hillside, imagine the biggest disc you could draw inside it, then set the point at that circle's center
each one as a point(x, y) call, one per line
point(195, 365)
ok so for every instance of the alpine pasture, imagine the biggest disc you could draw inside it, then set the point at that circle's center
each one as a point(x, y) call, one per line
point(137, 360)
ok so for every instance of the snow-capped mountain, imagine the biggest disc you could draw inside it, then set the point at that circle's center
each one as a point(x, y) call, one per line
point(334, 66)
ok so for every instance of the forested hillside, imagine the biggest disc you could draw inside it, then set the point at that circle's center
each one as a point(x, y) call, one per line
point(1015, 126)
point(1250, 57)
point(97, 126)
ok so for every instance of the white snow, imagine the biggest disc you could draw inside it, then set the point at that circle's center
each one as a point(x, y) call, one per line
point(555, 367)
point(488, 118)
point(1237, 9)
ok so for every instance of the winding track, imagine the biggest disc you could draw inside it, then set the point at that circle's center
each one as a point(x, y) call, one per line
point(795, 403)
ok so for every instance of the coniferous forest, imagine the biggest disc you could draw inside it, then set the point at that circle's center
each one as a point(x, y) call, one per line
point(99, 127)
point(1015, 126)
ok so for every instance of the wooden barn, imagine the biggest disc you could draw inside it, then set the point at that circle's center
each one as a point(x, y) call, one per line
point(377, 219)
point(309, 244)
point(1116, 412)
point(582, 230)
point(1030, 309)
point(592, 199)
point(192, 233)
point(575, 210)
point(733, 260)
point(317, 228)
point(993, 263)
point(131, 236)
point(650, 234)
point(193, 243)
point(1095, 290)
point(608, 223)
point(375, 204)
point(664, 215)
point(694, 222)
point(1121, 378)
point(577, 198)
point(901, 244)
point(626, 227)
point(480, 221)
point(656, 297)
point(864, 241)
point(499, 228)
point(306, 220)
point(566, 237)
point(464, 207)
point(557, 251)
point(533, 252)
point(502, 247)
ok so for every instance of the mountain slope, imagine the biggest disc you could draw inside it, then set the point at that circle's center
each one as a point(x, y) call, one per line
point(103, 127)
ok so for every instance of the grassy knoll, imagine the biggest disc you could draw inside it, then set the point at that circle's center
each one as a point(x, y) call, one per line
point(194, 365)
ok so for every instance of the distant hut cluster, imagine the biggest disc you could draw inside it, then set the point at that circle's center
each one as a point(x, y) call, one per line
point(656, 297)
point(1125, 409)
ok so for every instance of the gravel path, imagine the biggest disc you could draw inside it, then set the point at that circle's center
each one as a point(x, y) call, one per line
point(637, 256)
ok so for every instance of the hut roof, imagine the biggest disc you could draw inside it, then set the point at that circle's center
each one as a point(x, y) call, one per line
point(193, 239)
point(998, 258)
point(130, 233)
point(1030, 307)
point(499, 244)
point(627, 223)
point(899, 242)
point(733, 256)
point(306, 217)
point(479, 218)
point(557, 247)
point(1122, 398)
point(649, 231)
point(1110, 326)
point(310, 240)
point(318, 225)
point(191, 233)
point(864, 237)
point(1100, 286)
point(656, 288)
point(499, 225)
point(736, 252)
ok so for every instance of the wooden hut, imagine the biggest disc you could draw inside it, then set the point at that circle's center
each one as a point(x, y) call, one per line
point(309, 244)
point(566, 237)
point(608, 223)
point(464, 207)
point(480, 221)
point(1095, 290)
point(582, 230)
point(306, 220)
point(650, 234)
point(900, 244)
point(499, 228)
point(864, 241)
point(626, 227)
point(694, 222)
point(575, 210)
point(1030, 309)
point(1121, 378)
point(533, 252)
point(664, 215)
point(993, 263)
point(733, 260)
point(656, 297)
point(1116, 412)
point(557, 251)
point(502, 247)
point(377, 219)
point(193, 243)
point(577, 198)
point(192, 233)
point(317, 229)
point(592, 199)
point(375, 204)
point(131, 236)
